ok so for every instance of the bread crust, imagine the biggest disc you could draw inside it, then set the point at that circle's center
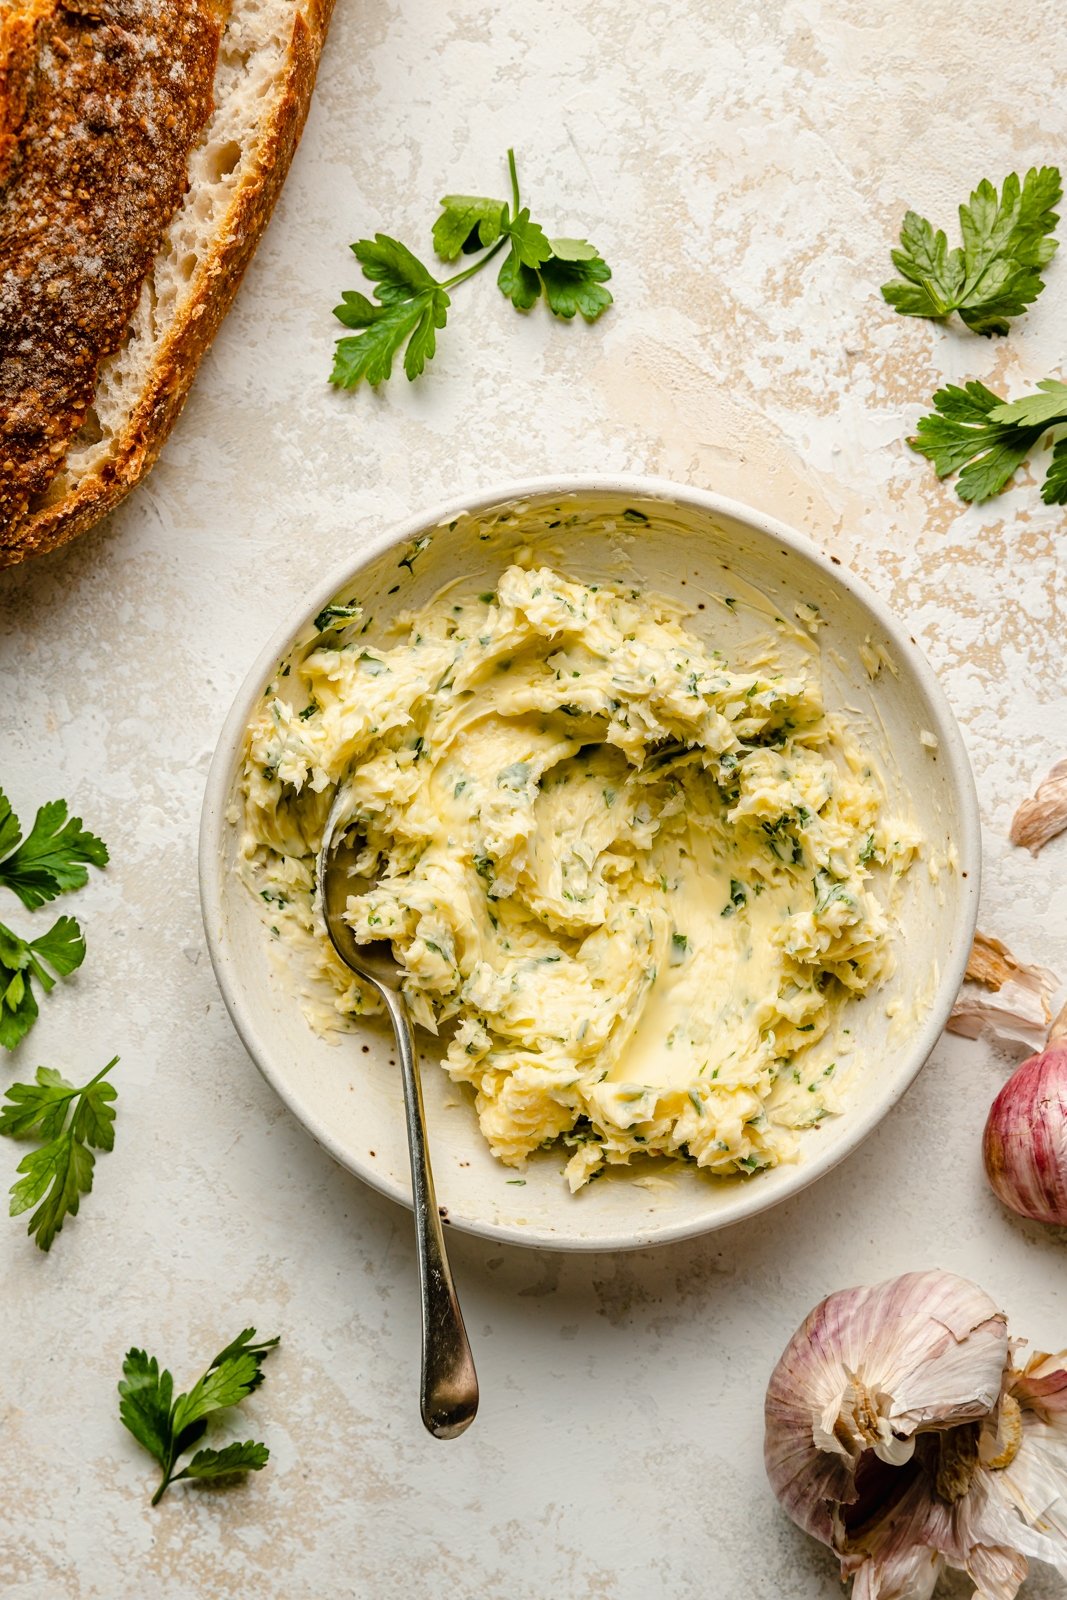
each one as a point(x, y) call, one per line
point(114, 96)
point(186, 341)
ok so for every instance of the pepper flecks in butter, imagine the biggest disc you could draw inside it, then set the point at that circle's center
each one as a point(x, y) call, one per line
point(638, 884)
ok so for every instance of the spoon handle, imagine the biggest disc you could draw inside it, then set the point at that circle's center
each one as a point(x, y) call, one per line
point(449, 1388)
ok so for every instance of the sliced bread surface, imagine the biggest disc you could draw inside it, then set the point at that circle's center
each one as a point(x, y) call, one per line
point(68, 462)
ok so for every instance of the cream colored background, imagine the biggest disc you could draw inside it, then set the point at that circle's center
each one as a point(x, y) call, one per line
point(744, 168)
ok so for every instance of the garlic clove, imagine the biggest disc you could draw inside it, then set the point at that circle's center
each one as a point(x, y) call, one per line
point(892, 1559)
point(1017, 1015)
point(1029, 1493)
point(1044, 814)
point(1024, 1146)
point(902, 1557)
point(1003, 996)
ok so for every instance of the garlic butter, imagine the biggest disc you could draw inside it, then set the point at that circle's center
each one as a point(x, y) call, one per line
point(633, 883)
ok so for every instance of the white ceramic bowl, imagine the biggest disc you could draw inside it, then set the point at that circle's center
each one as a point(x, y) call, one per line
point(695, 546)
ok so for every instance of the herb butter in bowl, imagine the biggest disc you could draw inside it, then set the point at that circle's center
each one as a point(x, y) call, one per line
point(648, 792)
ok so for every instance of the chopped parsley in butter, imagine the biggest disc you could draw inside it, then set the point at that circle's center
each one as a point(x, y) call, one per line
point(634, 885)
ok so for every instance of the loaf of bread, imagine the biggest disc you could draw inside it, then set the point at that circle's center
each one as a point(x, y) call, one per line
point(142, 146)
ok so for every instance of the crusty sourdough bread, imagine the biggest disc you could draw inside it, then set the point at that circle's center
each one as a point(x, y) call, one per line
point(142, 146)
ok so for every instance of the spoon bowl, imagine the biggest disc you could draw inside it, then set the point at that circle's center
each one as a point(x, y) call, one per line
point(337, 881)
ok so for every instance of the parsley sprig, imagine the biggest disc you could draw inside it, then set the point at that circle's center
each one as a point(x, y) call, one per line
point(412, 305)
point(22, 961)
point(70, 1122)
point(975, 430)
point(52, 859)
point(168, 1427)
point(997, 272)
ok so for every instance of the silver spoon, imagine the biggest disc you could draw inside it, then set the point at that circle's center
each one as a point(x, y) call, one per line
point(449, 1385)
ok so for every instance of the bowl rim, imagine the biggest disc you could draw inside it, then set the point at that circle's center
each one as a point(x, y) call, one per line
point(751, 1200)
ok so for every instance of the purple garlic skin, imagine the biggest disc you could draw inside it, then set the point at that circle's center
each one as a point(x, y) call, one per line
point(866, 1372)
point(901, 1434)
point(1024, 1146)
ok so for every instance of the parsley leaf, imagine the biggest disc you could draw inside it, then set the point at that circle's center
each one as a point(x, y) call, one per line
point(575, 283)
point(391, 265)
point(1044, 409)
point(145, 1402)
point(1054, 489)
point(167, 1427)
point(518, 279)
point(996, 274)
point(56, 1175)
point(569, 272)
point(51, 859)
point(528, 242)
point(518, 283)
point(468, 223)
point(22, 960)
point(738, 897)
point(247, 1457)
point(570, 283)
point(334, 616)
point(973, 429)
point(411, 304)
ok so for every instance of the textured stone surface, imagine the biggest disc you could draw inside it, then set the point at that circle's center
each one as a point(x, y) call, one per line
point(744, 169)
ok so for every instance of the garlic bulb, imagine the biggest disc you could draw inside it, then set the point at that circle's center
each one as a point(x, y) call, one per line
point(1025, 1142)
point(898, 1433)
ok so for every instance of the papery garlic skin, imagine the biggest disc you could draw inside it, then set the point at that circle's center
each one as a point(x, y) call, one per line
point(1044, 814)
point(1024, 1146)
point(900, 1433)
point(1003, 996)
point(867, 1370)
point(1035, 1480)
